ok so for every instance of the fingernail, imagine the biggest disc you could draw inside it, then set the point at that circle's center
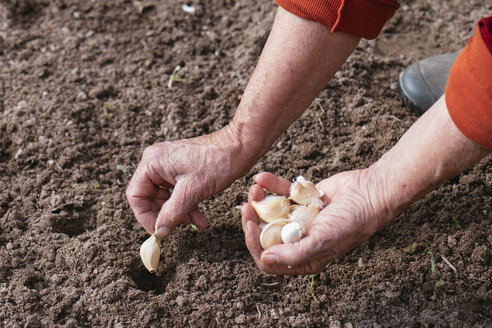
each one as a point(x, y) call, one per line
point(269, 259)
point(254, 177)
point(163, 232)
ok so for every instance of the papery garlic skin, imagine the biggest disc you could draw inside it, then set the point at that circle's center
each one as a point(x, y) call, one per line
point(305, 215)
point(270, 235)
point(272, 207)
point(286, 223)
point(150, 251)
point(291, 232)
point(317, 202)
point(305, 193)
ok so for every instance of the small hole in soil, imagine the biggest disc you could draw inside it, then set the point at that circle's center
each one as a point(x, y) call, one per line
point(147, 281)
point(4, 156)
point(24, 11)
point(73, 226)
point(30, 281)
point(5, 143)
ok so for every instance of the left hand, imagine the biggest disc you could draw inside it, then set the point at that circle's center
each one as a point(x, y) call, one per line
point(353, 212)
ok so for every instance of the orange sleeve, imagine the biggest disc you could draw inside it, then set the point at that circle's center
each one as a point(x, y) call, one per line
point(363, 18)
point(469, 91)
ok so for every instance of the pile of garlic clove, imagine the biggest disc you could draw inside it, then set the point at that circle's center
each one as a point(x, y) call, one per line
point(286, 223)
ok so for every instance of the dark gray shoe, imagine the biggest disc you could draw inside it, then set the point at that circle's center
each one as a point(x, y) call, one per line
point(423, 82)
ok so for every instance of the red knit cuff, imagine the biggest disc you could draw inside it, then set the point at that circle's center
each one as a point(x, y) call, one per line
point(469, 91)
point(363, 18)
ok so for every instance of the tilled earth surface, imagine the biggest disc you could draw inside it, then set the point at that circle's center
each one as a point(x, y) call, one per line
point(84, 89)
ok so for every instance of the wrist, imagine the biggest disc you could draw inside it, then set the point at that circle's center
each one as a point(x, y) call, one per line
point(391, 191)
point(253, 139)
point(373, 183)
point(242, 148)
point(431, 152)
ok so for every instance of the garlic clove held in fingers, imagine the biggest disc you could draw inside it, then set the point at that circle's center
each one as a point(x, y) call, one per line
point(270, 235)
point(305, 193)
point(150, 251)
point(272, 207)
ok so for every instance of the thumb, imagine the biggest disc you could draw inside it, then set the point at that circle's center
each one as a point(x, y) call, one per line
point(294, 254)
point(175, 209)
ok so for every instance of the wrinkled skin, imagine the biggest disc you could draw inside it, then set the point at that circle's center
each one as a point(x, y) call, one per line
point(194, 169)
point(350, 217)
point(297, 62)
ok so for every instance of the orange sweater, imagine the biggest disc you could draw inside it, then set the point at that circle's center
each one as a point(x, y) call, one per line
point(364, 18)
point(469, 89)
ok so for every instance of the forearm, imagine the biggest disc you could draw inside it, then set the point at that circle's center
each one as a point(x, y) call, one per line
point(432, 151)
point(299, 59)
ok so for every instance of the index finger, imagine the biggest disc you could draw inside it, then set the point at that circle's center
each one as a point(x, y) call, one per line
point(145, 198)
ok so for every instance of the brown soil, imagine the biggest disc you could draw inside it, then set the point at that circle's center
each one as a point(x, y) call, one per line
point(83, 89)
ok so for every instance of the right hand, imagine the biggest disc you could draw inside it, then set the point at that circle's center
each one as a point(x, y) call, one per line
point(194, 169)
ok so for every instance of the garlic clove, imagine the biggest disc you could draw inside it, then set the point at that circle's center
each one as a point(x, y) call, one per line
point(305, 193)
point(270, 235)
point(317, 202)
point(150, 252)
point(272, 207)
point(305, 215)
point(291, 232)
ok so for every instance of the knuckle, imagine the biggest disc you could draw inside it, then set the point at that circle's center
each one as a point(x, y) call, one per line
point(174, 220)
point(149, 152)
point(170, 222)
point(158, 148)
